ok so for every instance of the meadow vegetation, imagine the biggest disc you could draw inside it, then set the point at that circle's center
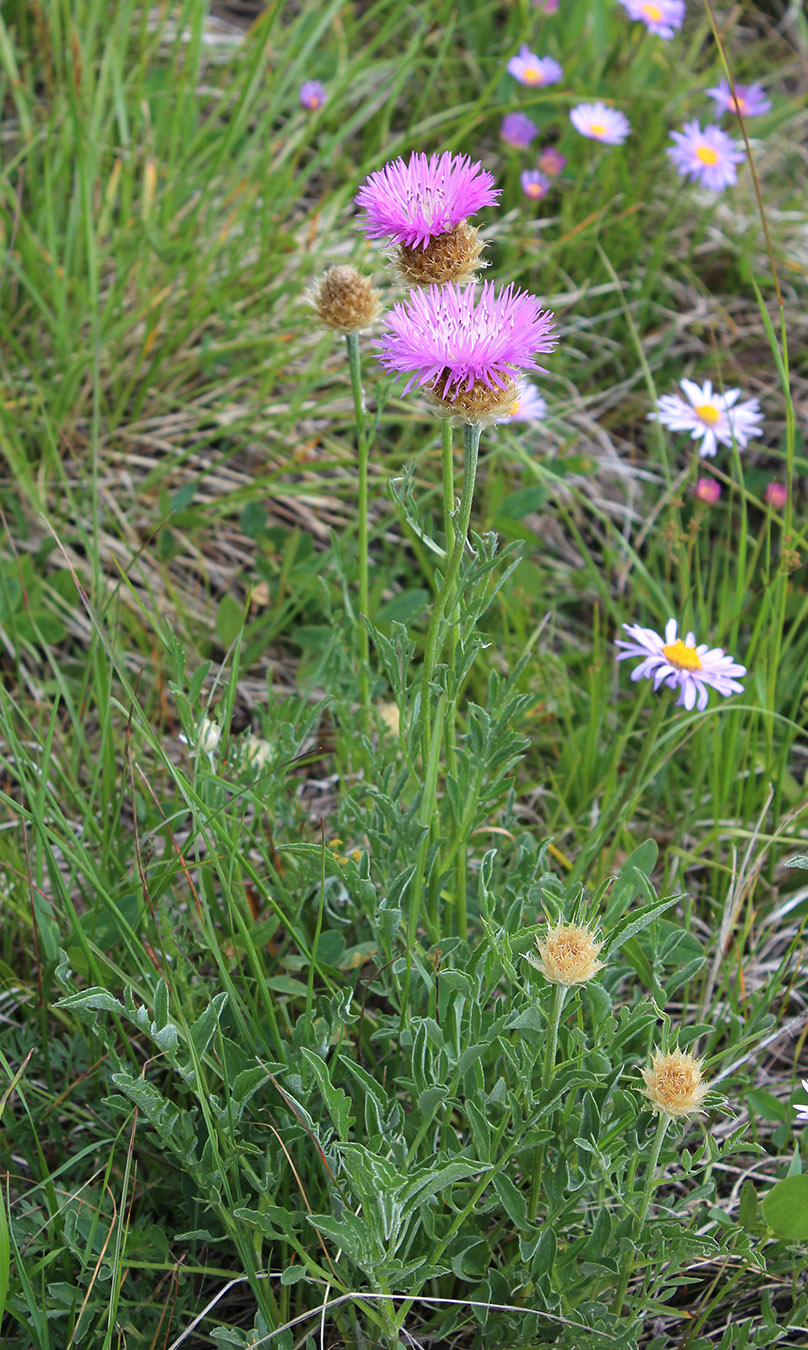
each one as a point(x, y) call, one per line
point(381, 965)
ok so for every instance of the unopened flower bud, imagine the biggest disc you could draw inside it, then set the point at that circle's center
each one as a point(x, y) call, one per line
point(568, 955)
point(345, 299)
point(674, 1084)
point(454, 256)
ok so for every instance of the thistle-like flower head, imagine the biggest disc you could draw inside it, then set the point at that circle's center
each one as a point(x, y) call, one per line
point(467, 345)
point(345, 299)
point(674, 1085)
point(568, 954)
point(413, 202)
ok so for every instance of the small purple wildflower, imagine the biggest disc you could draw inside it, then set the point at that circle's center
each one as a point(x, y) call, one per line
point(518, 130)
point(679, 664)
point(707, 156)
point(546, 6)
point(412, 203)
point(600, 123)
point(535, 184)
point(663, 17)
point(551, 161)
point(312, 95)
point(463, 336)
point(749, 99)
point(776, 495)
point(533, 70)
point(708, 491)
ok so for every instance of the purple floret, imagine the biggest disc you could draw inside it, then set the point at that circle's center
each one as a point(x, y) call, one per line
point(413, 202)
point(465, 335)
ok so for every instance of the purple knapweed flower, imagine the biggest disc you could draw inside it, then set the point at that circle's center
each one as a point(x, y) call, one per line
point(679, 664)
point(535, 184)
point(663, 17)
point(412, 203)
point(517, 129)
point(312, 95)
point(533, 70)
point(709, 156)
point(749, 99)
point(600, 123)
point(468, 344)
point(551, 161)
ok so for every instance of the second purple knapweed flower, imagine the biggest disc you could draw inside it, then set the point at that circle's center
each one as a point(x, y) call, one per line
point(466, 346)
point(709, 156)
point(422, 207)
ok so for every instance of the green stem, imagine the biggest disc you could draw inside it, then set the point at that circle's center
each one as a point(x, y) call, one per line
point(362, 447)
point(447, 588)
point(451, 712)
point(550, 1050)
point(628, 1265)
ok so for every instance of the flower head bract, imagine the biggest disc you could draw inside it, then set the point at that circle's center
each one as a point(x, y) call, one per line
point(679, 664)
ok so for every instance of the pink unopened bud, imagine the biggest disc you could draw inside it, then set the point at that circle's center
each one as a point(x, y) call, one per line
point(776, 495)
point(708, 491)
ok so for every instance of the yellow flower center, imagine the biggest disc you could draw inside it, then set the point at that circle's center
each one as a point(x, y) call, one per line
point(684, 658)
point(515, 409)
point(708, 414)
point(652, 12)
point(597, 128)
point(535, 190)
point(707, 155)
point(738, 104)
point(533, 75)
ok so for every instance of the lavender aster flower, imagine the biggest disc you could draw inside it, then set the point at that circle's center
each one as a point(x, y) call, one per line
point(312, 95)
point(711, 417)
point(801, 1108)
point(412, 203)
point(708, 156)
point(533, 70)
point(663, 17)
point(749, 99)
point(468, 346)
point(518, 130)
point(680, 664)
point(535, 184)
point(600, 123)
point(528, 406)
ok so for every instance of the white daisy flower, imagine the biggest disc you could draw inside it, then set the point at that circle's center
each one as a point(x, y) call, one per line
point(680, 664)
point(600, 123)
point(802, 1108)
point(710, 416)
